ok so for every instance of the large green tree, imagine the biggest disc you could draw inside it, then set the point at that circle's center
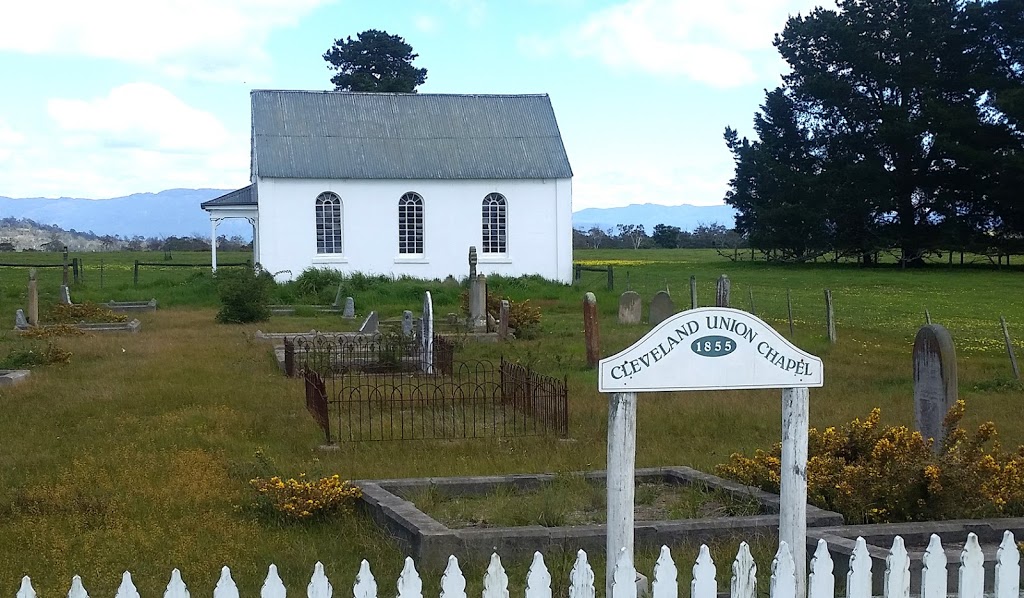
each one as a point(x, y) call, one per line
point(894, 129)
point(375, 61)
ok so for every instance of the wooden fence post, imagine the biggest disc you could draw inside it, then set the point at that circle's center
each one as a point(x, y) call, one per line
point(135, 277)
point(927, 316)
point(1009, 348)
point(74, 269)
point(693, 292)
point(101, 273)
point(789, 308)
point(591, 331)
point(611, 278)
point(65, 262)
point(751, 293)
point(830, 320)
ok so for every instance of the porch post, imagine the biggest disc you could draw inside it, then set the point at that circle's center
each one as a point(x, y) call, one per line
point(255, 221)
point(213, 241)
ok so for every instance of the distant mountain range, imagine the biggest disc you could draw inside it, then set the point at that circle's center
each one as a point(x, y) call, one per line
point(686, 217)
point(176, 212)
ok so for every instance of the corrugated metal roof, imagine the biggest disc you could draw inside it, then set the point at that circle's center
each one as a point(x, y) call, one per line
point(344, 135)
point(246, 196)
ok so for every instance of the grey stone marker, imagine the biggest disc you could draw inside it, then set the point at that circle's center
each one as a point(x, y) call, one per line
point(369, 324)
point(935, 381)
point(33, 298)
point(20, 322)
point(661, 308)
point(337, 297)
point(65, 295)
point(722, 293)
point(478, 303)
point(630, 308)
point(350, 308)
point(406, 323)
point(503, 319)
point(591, 330)
point(472, 262)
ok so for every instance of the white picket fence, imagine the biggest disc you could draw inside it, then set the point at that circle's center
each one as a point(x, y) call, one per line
point(743, 584)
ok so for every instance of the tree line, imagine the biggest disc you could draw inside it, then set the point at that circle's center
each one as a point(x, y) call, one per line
point(897, 130)
point(662, 236)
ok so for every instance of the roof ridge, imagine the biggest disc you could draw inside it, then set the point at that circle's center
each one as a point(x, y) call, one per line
point(399, 94)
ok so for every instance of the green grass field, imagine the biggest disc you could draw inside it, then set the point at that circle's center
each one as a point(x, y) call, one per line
point(137, 454)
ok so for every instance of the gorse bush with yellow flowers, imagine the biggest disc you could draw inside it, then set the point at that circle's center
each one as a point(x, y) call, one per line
point(875, 474)
point(306, 499)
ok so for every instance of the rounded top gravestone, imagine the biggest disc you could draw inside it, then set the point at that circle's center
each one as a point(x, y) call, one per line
point(935, 380)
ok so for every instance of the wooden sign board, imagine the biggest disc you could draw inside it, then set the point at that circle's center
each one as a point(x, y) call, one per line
point(710, 348)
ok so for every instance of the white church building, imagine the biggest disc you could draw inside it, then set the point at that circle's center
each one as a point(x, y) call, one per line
point(404, 184)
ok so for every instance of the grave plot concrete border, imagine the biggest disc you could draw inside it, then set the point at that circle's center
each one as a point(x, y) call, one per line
point(289, 310)
point(132, 326)
point(430, 541)
point(879, 537)
point(12, 377)
point(130, 306)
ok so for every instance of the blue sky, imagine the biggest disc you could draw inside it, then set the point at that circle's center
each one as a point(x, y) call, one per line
point(113, 97)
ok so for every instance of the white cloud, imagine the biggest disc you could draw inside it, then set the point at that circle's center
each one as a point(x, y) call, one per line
point(139, 137)
point(425, 23)
point(474, 11)
point(724, 43)
point(210, 39)
point(699, 180)
point(143, 116)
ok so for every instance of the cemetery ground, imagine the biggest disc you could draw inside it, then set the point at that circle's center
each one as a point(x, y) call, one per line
point(136, 455)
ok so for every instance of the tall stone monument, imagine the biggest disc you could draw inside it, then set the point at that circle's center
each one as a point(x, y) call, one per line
point(472, 262)
point(478, 303)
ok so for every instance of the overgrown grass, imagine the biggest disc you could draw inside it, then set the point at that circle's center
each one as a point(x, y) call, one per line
point(137, 454)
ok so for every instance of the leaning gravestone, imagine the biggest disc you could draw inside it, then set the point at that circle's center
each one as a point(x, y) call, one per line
point(503, 316)
point(350, 308)
point(407, 323)
point(369, 324)
point(662, 308)
point(935, 381)
point(630, 308)
point(20, 322)
point(427, 335)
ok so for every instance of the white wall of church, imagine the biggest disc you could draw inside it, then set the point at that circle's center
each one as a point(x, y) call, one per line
point(539, 227)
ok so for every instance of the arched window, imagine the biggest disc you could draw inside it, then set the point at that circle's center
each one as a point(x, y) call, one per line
point(328, 223)
point(494, 223)
point(410, 223)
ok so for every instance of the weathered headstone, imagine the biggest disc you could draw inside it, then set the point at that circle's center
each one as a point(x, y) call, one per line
point(472, 262)
point(590, 330)
point(503, 316)
point(65, 294)
point(406, 323)
point(630, 308)
point(427, 335)
point(935, 381)
point(661, 308)
point(722, 291)
point(478, 303)
point(492, 324)
point(369, 324)
point(20, 322)
point(33, 298)
point(350, 308)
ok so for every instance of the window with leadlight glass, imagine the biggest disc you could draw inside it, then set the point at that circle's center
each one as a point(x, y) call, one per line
point(494, 224)
point(328, 223)
point(410, 224)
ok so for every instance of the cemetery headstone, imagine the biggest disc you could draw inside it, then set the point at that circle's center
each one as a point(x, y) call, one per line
point(935, 381)
point(722, 291)
point(65, 294)
point(407, 323)
point(492, 324)
point(369, 324)
point(33, 298)
point(20, 322)
point(590, 329)
point(427, 335)
point(478, 303)
point(337, 297)
point(472, 262)
point(503, 316)
point(630, 308)
point(662, 308)
point(452, 318)
point(350, 308)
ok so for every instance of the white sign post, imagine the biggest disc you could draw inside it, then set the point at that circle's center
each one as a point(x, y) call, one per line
point(711, 348)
